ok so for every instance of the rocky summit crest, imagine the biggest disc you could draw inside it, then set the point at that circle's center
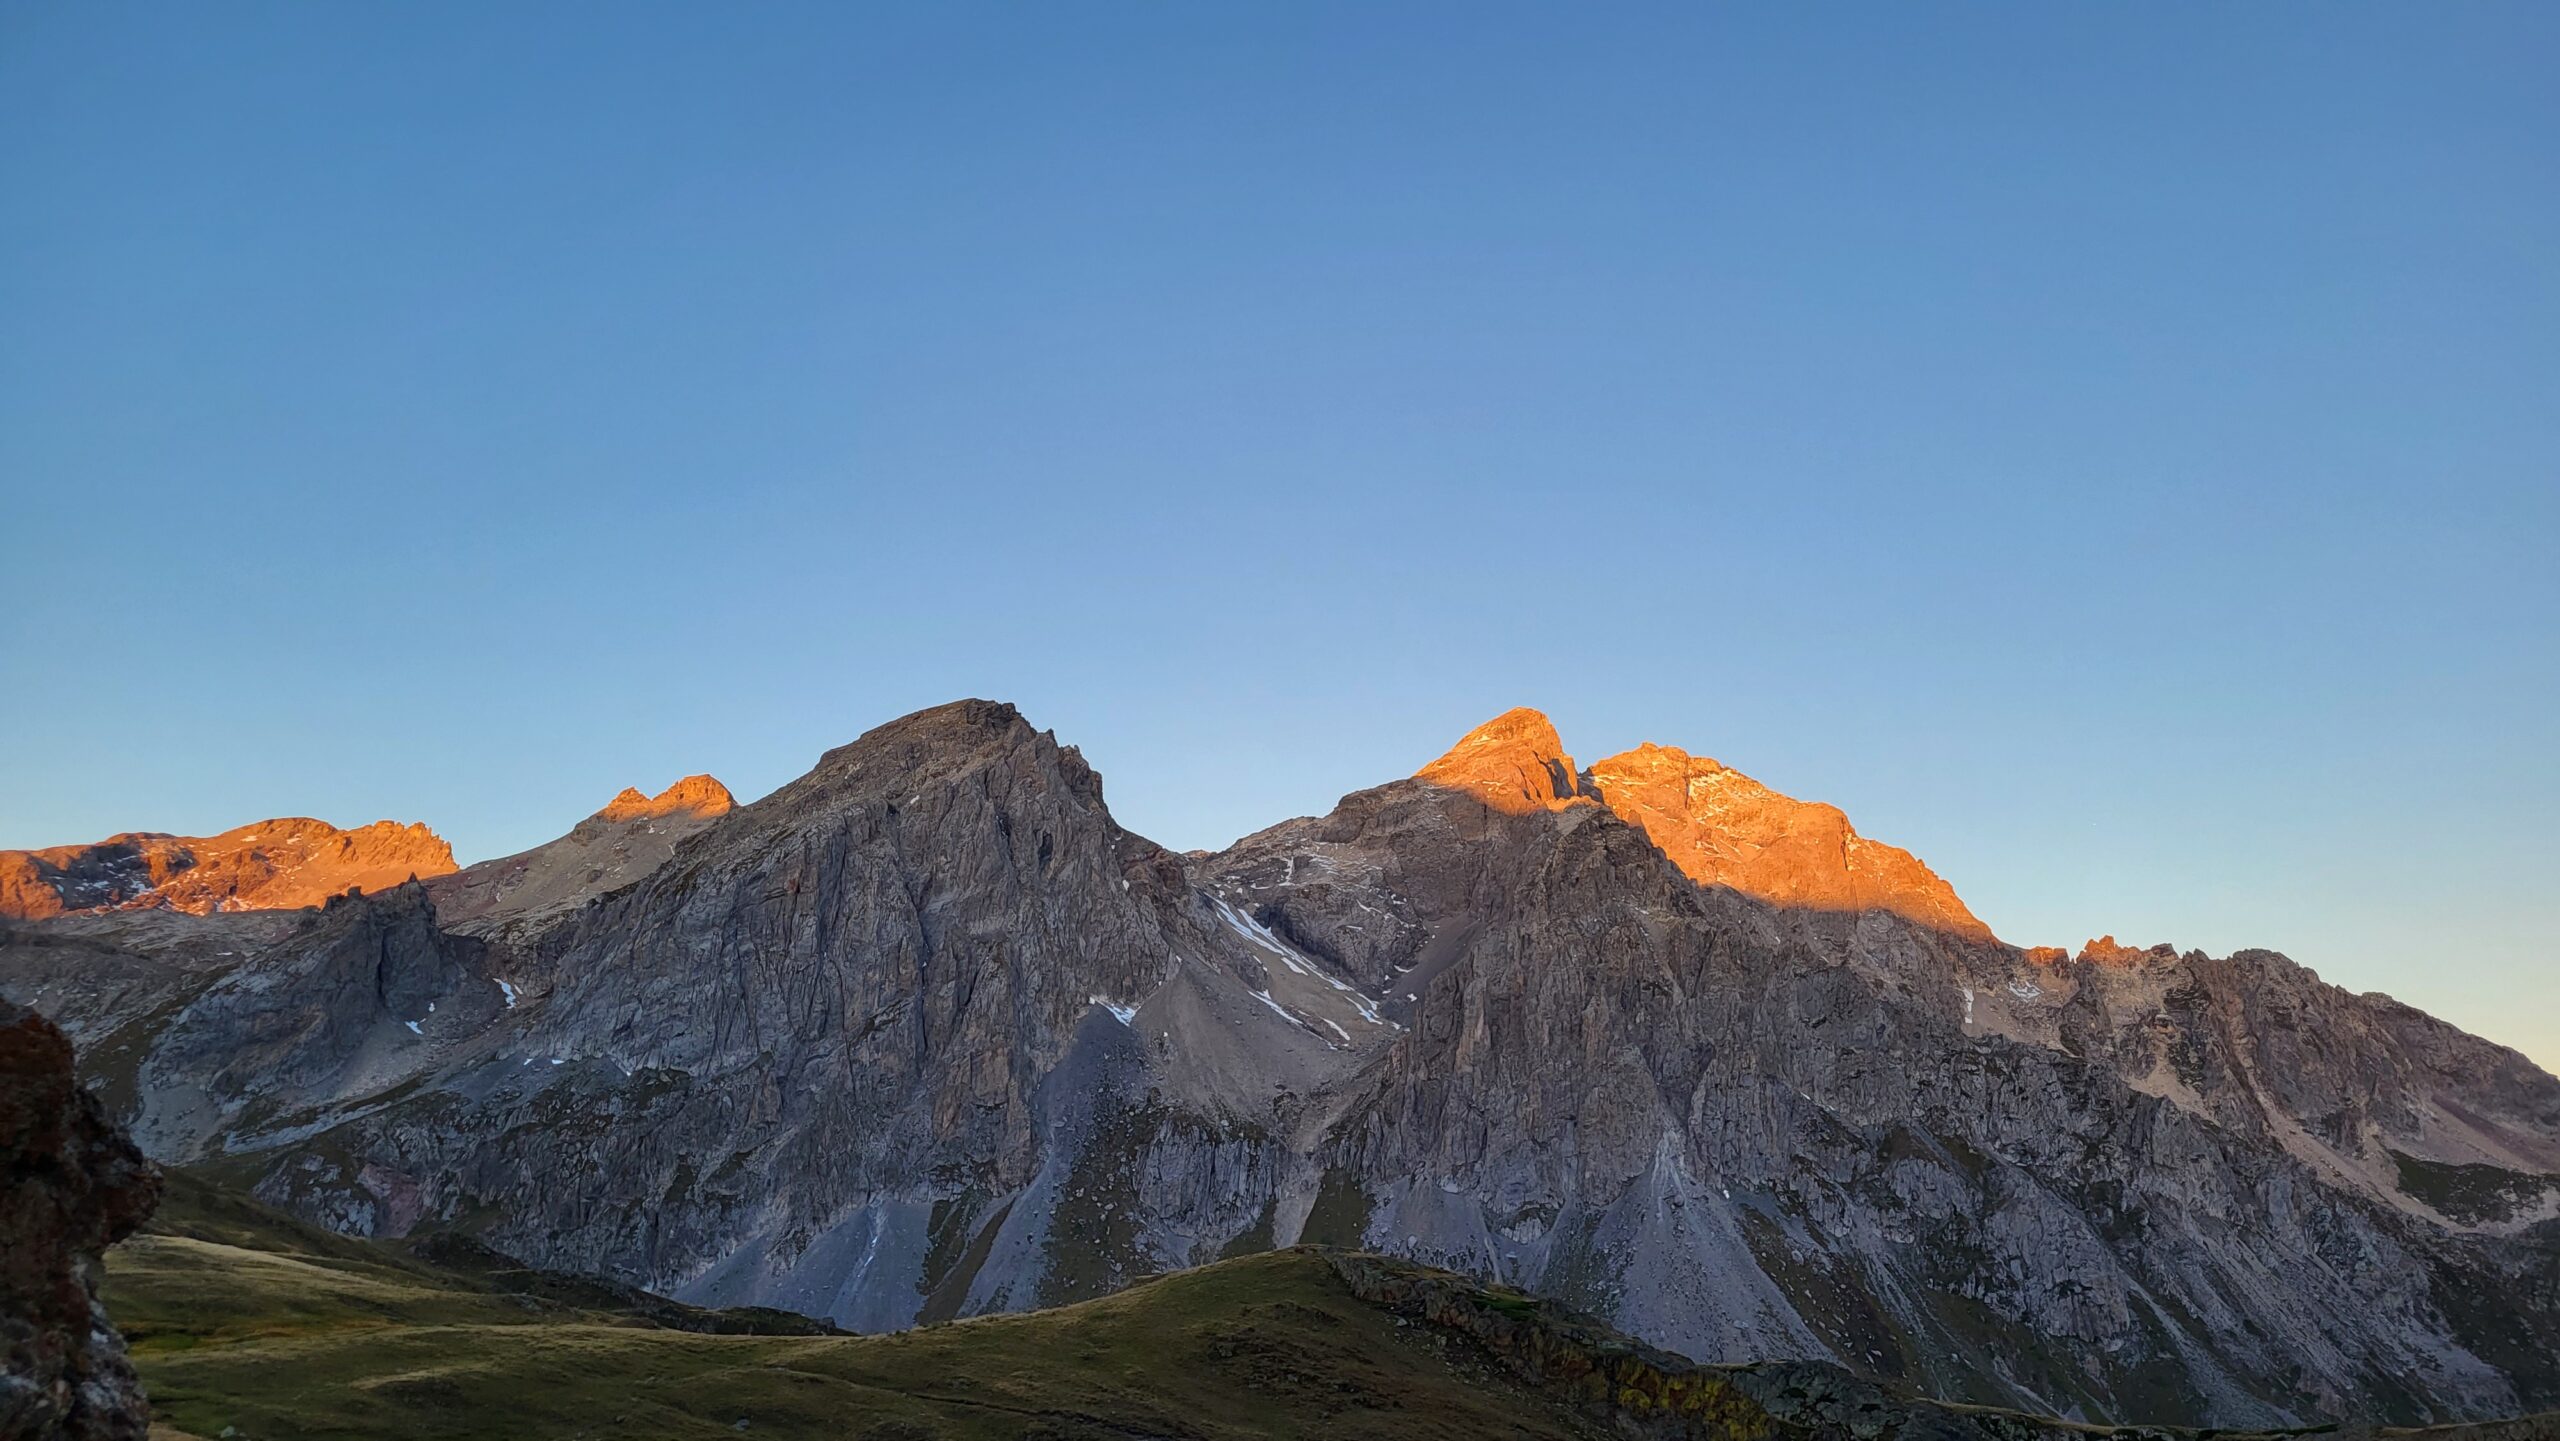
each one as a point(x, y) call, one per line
point(697, 795)
point(1719, 826)
point(268, 865)
point(1515, 763)
point(2106, 951)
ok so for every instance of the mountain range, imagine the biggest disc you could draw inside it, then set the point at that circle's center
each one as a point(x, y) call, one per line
point(926, 1033)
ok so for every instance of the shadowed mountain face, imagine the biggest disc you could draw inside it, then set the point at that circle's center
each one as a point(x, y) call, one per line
point(270, 865)
point(632, 836)
point(926, 1033)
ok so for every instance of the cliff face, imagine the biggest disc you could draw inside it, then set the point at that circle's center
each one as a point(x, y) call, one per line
point(271, 865)
point(926, 1033)
point(350, 1002)
point(71, 1185)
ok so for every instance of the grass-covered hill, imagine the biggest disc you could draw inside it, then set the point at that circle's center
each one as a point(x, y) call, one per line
point(247, 1324)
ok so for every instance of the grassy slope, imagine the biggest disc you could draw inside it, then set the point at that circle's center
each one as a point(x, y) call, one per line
point(240, 1317)
point(247, 1320)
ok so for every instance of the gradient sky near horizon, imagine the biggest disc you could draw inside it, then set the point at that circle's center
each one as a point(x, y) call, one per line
point(2111, 451)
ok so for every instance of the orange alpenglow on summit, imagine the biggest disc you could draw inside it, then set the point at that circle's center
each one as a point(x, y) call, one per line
point(694, 795)
point(1723, 828)
point(1514, 763)
point(2104, 951)
point(1719, 826)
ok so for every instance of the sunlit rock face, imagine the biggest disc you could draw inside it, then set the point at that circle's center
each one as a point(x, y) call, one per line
point(926, 1033)
point(280, 864)
point(698, 796)
point(2105, 951)
point(1514, 763)
point(1722, 828)
point(1719, 826)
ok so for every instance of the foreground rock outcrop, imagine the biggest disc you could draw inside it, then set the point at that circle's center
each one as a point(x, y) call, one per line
point(927, 1033)
point(71, 1185)
point(270, 865)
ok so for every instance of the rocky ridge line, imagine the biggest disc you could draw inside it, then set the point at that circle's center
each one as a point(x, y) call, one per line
point(631, 836)
point(926, 1033)
point(281, 864)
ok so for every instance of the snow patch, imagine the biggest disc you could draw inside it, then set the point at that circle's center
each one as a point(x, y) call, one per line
point(1297, 961)
point(1125, 1015)
point(1255, 931)
point(413, 1028)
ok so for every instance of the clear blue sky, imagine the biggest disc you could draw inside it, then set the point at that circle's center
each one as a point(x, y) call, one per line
point(2111, 450)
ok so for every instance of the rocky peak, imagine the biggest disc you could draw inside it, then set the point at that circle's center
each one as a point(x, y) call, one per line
point(924, 740)
point(894, 764)
point(1515, 763)
point(2105, 951)
point(1722, 828)
point(697, 795)
point(929, 746)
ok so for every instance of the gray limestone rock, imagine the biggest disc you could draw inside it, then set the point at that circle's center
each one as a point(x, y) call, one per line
point(926, 1033)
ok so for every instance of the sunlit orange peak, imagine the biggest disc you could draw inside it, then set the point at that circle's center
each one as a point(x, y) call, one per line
point(2105, 951)
point(1514, 763)
point(694, 795)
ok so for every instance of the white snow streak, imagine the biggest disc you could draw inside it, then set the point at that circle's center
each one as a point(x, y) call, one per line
point(1262, 935)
